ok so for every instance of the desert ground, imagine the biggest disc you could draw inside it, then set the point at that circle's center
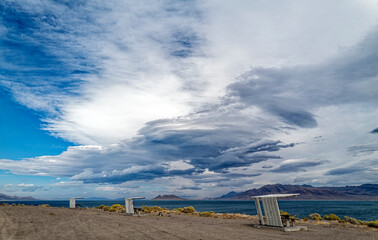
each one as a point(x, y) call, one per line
point(33, 222)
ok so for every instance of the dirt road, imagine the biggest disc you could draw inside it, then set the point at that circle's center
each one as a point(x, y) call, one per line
point(31, 222)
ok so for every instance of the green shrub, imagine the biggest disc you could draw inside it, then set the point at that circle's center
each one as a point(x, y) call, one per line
point(180, 209)
point(106, 208)
point(315, 216)
point(206, 214)
point(305, 219)
point(351, 220)
point(331, 217)
point(189, 210)
point(373, 224)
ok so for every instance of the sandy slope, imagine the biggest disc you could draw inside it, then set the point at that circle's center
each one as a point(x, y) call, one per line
point(29, 222)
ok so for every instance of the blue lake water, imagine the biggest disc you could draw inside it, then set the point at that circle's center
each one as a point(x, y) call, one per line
point(362, 210)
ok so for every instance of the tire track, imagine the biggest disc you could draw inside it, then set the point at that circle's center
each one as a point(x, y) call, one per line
point(9, 225)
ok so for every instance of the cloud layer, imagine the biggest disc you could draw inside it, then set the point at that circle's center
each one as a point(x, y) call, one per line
point(194, 95)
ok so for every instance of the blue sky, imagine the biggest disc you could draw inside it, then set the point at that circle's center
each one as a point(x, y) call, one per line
point(194, 98)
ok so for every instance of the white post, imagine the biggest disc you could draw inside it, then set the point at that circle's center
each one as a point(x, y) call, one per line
point(73, 201)
point(130, 206)
point(259, 212)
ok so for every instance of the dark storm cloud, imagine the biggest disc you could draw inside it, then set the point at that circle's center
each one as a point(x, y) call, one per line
point(364, 149)
point(292, 93)
point(267, 166)
point(203, 150)
point(359, 168)
point(346, 170)
point(190, 188)
point(144, 173)
point(374, 131)
point(298, 165)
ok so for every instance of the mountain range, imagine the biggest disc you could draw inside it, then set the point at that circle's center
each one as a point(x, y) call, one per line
point(308, 192)
point(168, 197)
point(4, 197)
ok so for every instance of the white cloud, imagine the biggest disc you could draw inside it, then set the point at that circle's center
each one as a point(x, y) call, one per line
point(25, 185)
point(106, 189)
point(139, 79)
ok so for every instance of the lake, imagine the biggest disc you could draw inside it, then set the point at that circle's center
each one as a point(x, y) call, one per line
point(362, 210)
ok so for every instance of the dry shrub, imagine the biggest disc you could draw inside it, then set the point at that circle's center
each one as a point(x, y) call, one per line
point(4, 204)
point(315, 216)
point(288, 216)
point(228, 216)
point(100, 207)
point(189, 210)
point(351, 220)
point(240, 215)
point(116, 208)
point(146, 209)
point(44, 205)
point(331, 217)
point(156, 209)
point(373, 224)
point(206, 214)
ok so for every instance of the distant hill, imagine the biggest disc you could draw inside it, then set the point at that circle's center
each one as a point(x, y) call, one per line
point(229, 195)
point(100, 198)
point(307, 192)
point(168, 197)
point(4, 197)
point(363, 190)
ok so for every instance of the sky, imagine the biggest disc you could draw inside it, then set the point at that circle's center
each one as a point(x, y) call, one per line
point(193, 98)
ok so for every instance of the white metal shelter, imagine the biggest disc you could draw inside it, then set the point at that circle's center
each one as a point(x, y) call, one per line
point(271, 209)
point(73, 201)
point(129, 205)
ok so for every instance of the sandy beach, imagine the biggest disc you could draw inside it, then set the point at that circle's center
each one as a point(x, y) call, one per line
point(32, 222)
